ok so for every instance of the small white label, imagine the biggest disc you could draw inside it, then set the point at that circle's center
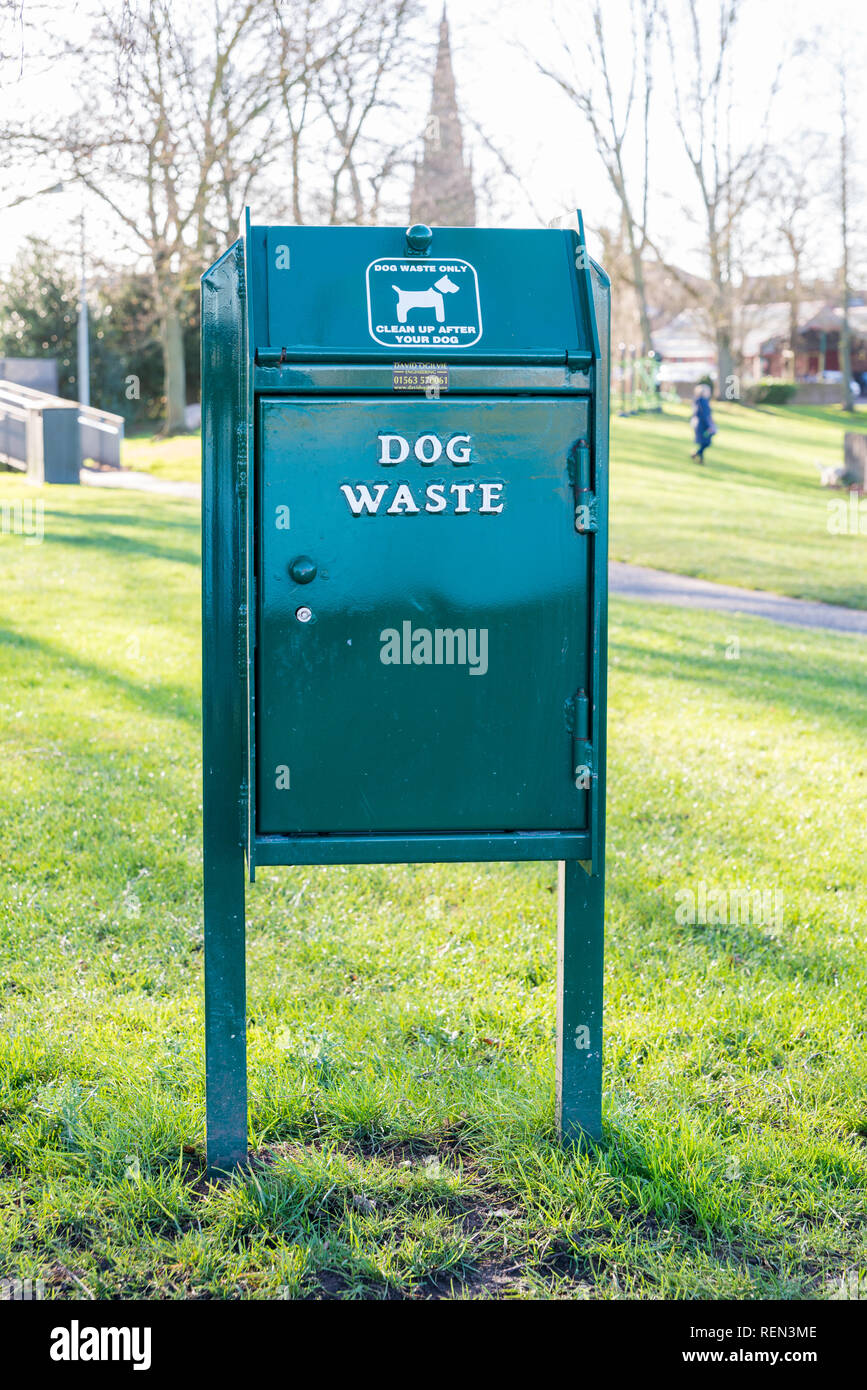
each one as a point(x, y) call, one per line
point(416, 302)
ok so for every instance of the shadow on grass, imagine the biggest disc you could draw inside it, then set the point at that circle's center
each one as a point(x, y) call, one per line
point(167, 701)
point(114, 542)
point(771, 678)
point(134, 520)
point(723, 464)
point(824, 415)
point(746, 946)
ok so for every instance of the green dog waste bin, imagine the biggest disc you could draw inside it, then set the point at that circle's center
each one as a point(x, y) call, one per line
point(404, 464)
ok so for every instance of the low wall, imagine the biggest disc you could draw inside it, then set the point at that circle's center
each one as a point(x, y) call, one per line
point(819, 393)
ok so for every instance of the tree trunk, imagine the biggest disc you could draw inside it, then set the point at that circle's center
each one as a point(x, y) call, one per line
point(641, 296)
point(174, 370)
point(726, 386)
point(725, 366)
point(846, 399)
point(794, 316)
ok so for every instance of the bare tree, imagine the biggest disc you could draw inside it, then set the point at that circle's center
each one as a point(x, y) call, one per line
point(25, 50)
point(174, 126)
point(360, 93)
point(589, 84)
point(846, 398)
point(186, 114)
point(790, 203)
point(486, 182)
point(304, 41)
point(22, 46)
point(342, 68)
point(726, 179)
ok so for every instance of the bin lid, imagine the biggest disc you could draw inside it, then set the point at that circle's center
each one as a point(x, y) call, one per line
point(474, 294)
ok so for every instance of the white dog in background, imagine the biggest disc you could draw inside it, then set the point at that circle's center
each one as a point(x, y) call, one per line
point(425, 299)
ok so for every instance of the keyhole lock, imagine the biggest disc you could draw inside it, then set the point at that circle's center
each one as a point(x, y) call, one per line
point(303, 570)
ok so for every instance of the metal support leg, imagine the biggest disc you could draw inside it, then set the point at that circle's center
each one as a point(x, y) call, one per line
point(225, 696)
point(225, 1008)
point(579, 1002)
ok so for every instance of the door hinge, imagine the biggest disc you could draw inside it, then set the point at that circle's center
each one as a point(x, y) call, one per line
point(578, 722)
point(586, 519)
point(243, 806)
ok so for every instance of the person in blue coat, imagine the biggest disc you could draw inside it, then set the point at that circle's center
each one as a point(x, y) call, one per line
point(703, 427)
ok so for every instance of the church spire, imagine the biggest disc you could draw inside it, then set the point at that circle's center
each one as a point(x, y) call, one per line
point(442, 191)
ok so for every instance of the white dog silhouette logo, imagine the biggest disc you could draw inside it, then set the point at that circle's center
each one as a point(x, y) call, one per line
point(425, 299)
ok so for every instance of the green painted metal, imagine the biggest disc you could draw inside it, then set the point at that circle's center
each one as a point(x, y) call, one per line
point(322, 292)
point(225, 369)
point(384, 722)
point(405, 594)
point(580, 907)
point(420, 848)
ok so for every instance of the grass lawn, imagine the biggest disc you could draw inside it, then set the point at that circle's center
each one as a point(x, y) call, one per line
point(401, 1019)
point(178, 457)
point(755, 514)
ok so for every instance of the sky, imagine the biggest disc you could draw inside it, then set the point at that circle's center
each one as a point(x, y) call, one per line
point(496, 46)
point(548, 140)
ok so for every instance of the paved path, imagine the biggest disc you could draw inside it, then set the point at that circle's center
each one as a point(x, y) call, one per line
point(628, 581)
point(658, 586)
point(139, 482)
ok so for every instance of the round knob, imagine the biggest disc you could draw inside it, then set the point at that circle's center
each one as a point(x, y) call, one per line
point(419, 238)
point(303, 569)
